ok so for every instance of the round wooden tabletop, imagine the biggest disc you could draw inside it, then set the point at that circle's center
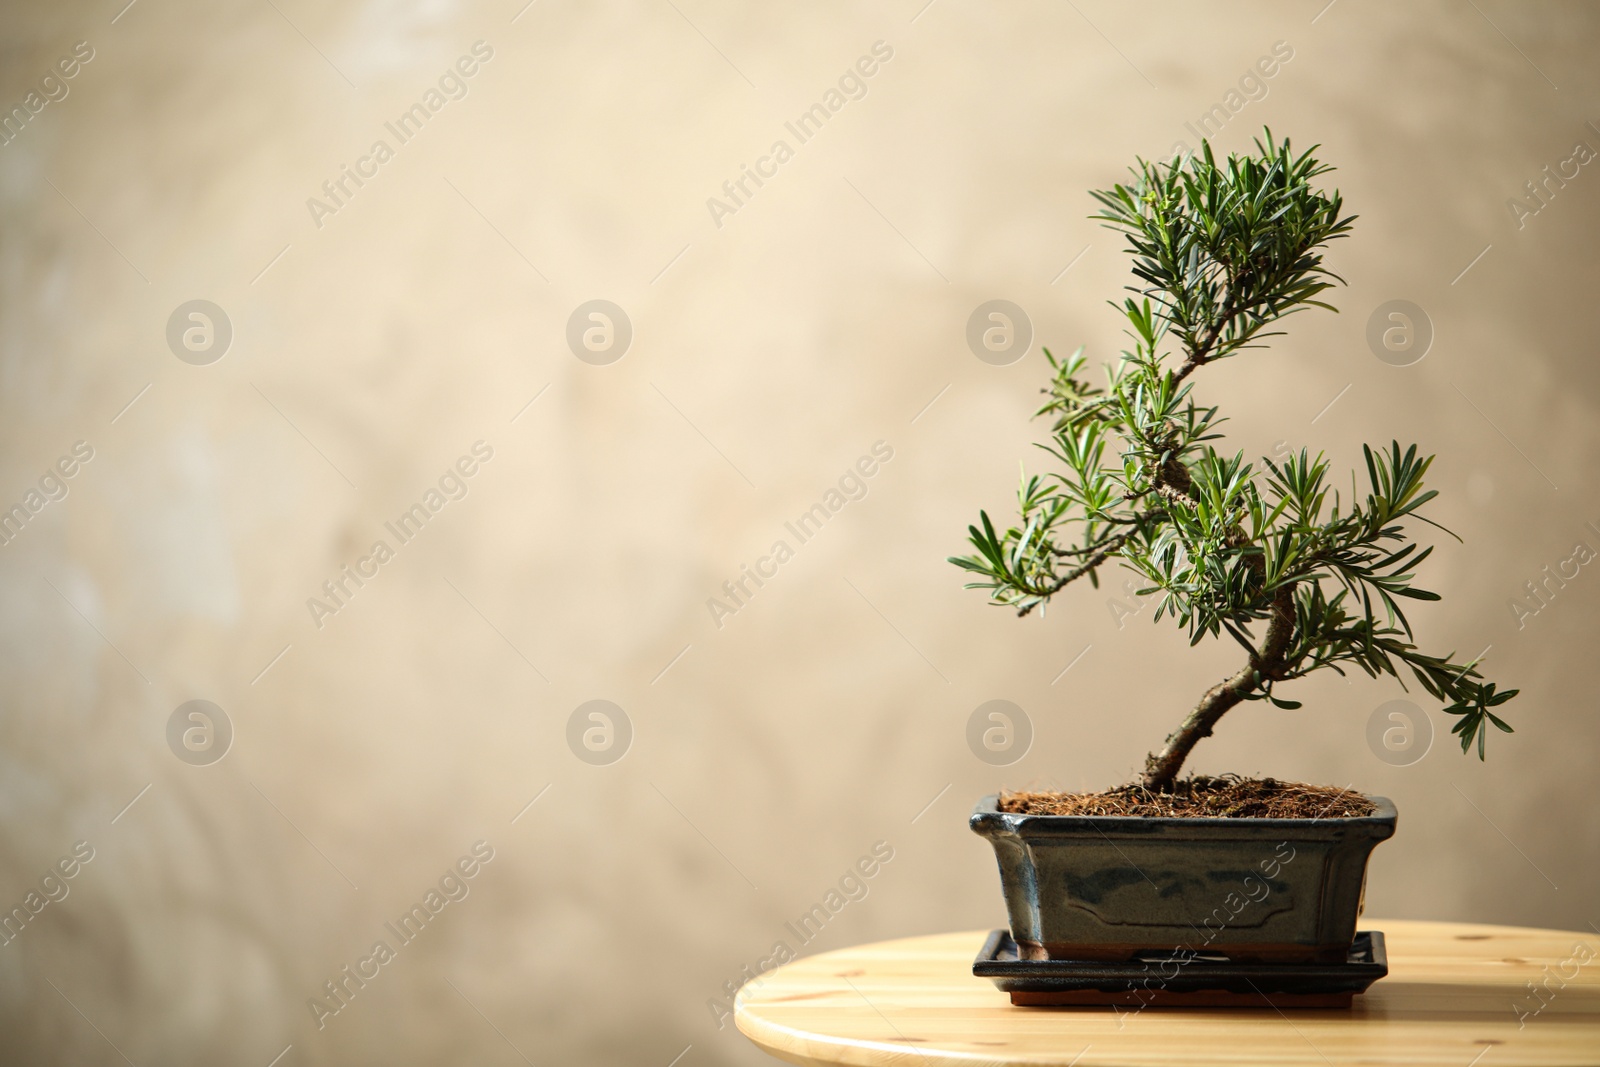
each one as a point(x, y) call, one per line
point(1457, 995)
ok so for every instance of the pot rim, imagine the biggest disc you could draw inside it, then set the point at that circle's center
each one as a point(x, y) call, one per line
point(987, 811)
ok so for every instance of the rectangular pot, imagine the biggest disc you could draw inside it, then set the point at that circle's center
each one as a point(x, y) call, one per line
point(1113, 888)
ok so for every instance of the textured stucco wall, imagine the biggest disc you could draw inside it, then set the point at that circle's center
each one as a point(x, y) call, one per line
point(772, 347)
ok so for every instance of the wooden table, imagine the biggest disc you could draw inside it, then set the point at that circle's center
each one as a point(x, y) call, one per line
point(1452, 998)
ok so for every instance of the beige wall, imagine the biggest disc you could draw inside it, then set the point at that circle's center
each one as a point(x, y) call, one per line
point(819, 318)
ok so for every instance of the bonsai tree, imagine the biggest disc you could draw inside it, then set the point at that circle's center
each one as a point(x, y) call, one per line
point(1275, 558)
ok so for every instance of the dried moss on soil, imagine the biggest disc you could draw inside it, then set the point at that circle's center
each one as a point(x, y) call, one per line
point(1201, 797)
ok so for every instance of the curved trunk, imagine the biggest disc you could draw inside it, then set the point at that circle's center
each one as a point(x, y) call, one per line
point(1161, 768)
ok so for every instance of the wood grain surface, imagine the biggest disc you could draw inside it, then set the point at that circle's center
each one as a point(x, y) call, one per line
point(1457, 995)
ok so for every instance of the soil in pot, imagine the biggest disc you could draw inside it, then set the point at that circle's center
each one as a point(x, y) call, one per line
point(1200, 797)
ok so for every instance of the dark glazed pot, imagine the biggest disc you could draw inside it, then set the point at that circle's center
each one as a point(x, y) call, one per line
point(1116, 888)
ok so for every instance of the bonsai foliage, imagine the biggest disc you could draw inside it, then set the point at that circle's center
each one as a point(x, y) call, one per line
point(1275, 558)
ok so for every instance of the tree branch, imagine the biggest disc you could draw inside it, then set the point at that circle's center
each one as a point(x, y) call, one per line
point(1075, 573)
point(1266, 665)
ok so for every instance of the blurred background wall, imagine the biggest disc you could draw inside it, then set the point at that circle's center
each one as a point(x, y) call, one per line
point(376, 339)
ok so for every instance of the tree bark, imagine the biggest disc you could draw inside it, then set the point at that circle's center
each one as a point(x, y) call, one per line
point(1161, 768)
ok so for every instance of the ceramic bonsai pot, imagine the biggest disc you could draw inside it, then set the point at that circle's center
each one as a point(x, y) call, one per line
point(1121, 888)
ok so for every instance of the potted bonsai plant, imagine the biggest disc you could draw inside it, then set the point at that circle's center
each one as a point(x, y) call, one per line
point(1275, 558)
